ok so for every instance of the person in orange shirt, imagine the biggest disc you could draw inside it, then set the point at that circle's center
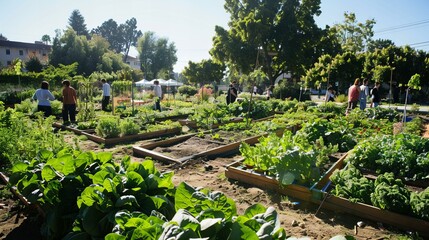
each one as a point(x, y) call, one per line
point(69, 103)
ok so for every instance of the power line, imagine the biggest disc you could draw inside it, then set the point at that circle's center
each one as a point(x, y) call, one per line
point(425, 43)
point(406, 25)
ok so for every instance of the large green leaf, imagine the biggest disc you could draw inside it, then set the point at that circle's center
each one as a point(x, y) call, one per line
point(183, 196)
point(114, 236)
point(49, 173)
point(241, 231)
point(253, 210)
point(127, 200)
point(104, 157)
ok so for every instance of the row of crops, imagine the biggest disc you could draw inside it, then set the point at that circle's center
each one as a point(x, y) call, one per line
point(88, 195)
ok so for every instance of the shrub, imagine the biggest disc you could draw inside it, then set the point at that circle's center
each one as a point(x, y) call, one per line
point(187, 90)
point(286, 89)
point(341, 98)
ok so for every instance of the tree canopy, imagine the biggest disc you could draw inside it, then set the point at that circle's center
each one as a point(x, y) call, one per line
point(156, 55)
point(205, 71)
point(279, 35)
point(91, 55)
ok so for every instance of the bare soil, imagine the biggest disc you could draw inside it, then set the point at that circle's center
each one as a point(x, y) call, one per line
point(299, 219)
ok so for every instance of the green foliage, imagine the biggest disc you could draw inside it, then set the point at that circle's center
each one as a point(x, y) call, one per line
point(336, 132)
point(290, 157)
point(404, 155)
point(420, 204)
point(34, 65)
point(156, 54)
point(342, 98)
point(108, 127)
point(391, 194)
point(22, 138)
point(351, 184)
point(258, 109)
point(206, 71)
point(187, 90)
point(257, 35)
point(414, 82)
point(128, 127)
point(287, 90)
point(122, 87)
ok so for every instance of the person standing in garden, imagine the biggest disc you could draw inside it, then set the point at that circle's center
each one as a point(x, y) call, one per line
point(231, 94)
point(354, 91)
point(44, 96)
point(157, 92)
point(363, 95)
point(375, 95)
point(270, 92)
point(106, 95)
point(69, 103)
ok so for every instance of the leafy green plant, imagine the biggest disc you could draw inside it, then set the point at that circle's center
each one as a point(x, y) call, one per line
point(420, 204)
point(351, 184)
point(128, 127)
point(290, 157)
point(403, 154)
point(391, 194)
point(108, 127)
point(200, 214)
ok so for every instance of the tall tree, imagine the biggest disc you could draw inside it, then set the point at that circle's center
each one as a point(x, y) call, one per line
point(110, 31)
point(91, 55)
point(205, 71)
point(46, 39)
point(77, 23)
point(130, 35)
point(156, 54)
point(353, 35)
point(279, 35)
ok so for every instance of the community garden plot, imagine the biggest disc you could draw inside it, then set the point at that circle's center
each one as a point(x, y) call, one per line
point(207, 144)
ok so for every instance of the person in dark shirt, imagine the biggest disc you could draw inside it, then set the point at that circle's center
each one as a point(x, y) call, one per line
point(232, 94)
point(375, 95)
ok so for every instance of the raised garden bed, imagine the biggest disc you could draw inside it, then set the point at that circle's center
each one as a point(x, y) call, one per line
point(71, 129)
point(193, 124)
point(366, 211)
point(142, 136)
point(176, 149)
point(240, 173)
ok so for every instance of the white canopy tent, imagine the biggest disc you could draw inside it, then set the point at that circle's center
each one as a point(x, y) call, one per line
point(144, 83)
point(173, 83)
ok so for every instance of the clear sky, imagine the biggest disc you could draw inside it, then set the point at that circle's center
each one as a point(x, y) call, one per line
point(190, 23)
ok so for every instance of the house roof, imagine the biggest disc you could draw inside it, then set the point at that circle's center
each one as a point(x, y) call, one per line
point(13, 44)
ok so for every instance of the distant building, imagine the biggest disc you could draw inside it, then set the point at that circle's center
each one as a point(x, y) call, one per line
point(133, 62)
point(10, 50)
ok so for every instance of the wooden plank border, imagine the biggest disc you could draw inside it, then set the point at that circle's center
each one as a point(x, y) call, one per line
point(145, 150)
point(403, 222)
point(142, 136)
point(237, 172)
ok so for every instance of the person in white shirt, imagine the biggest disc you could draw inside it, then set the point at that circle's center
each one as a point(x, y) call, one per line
point(363, 94)
point(157, 92)
point(44, 96)
point(255, 90)
point(106, 95)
